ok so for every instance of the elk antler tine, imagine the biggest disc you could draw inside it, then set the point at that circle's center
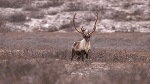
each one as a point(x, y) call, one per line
point(94, 28)
point(75, 24)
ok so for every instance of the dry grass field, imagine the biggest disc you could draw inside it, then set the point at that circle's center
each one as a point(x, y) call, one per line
point(44, 58)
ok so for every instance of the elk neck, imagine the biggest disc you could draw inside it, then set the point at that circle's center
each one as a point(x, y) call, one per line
point(85, 45)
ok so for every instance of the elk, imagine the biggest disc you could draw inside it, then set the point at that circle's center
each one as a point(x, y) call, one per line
point(82, 48)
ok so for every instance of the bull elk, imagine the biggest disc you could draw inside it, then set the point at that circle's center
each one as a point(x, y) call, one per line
point(82, 48)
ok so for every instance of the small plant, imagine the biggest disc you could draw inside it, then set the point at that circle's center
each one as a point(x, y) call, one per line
point(17, 17)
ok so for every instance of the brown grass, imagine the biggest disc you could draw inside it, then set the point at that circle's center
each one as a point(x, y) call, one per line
point(44, 67)
point(40, 58)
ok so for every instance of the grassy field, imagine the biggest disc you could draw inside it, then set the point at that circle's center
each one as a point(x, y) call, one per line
point(44, 58)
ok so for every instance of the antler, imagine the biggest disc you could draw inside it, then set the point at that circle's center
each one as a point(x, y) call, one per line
point(94, 28)
point(82, 29)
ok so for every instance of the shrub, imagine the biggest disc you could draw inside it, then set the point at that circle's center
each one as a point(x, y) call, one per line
point(127, 5)
point(52, 12)
point(89, 17)
point(94, 7)
point(1, 20)
point(37, 15)
point(66, 25)
point(116, 15)
point(52, 29)
point(3, 27)
point(75, 6)
point(12, 3)
point(17, 17)
point(52, 3)
point(137, 12)
point(27, 7)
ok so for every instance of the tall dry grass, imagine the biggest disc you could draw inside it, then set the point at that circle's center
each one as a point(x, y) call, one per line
point(54, 67)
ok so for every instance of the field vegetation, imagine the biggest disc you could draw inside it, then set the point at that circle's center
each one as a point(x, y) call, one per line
point(42, 59)
point(127, 15)
point(36, 38)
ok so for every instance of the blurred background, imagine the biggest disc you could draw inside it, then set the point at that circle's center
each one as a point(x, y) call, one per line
point(56, 15)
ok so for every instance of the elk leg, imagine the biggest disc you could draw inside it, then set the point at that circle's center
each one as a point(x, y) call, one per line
point(87, 56)
point(82, 54)
point(73, 53)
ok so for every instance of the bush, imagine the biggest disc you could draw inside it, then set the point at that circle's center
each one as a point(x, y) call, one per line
point(3, 27)
point(94, 7)
point(66, 25)
point(75, 6)
point(17, 17)
point(1, 20)
point(52, 12)
point(37, 15)
point(116, 15)
point(27, 7)
point(89, 17)
point(52, 3)
point(12, 3)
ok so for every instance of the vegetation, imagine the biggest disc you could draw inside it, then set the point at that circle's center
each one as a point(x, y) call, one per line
point(52, 12)
point(17, 17)
point(37, 15)
point(30, 8)
point(52, 3)
point(42, 59)
point(75, 6)
point(52, 66)
point(12, 3)
point(3, 27)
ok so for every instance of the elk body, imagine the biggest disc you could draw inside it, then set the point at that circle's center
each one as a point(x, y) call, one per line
point(82, 48)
